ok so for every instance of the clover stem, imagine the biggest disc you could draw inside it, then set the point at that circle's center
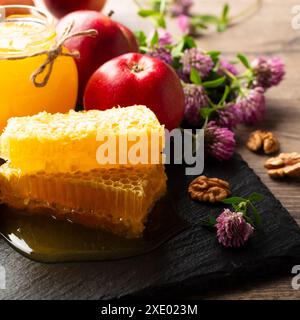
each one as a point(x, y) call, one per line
point(253, 8)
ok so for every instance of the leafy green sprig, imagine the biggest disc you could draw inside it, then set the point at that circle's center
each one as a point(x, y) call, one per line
point(200, 22)
point(159, 10)
point(244, 205)
point(247, 207)
point(156, 12)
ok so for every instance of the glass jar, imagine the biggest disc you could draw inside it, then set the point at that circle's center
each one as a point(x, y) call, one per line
point(24, 31)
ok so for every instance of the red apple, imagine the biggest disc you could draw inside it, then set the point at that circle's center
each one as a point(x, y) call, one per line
point(60, 8)
point(134, 78)
point(110, 42)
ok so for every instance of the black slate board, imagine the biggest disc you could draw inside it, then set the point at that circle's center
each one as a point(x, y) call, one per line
point(188, 263)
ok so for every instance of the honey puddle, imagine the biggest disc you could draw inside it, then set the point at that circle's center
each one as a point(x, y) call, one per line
point(44, 239)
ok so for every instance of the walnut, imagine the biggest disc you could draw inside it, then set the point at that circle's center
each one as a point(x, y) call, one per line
point(286, 164)
point(209, 189)
point(263, 140)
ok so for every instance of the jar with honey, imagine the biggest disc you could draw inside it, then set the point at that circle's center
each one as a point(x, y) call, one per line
point(31, 80)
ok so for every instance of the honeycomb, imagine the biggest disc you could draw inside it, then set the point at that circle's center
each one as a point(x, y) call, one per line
point(68, 142)
point(114, 199)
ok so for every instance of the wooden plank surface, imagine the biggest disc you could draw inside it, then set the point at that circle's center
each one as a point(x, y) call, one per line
point(268, 32)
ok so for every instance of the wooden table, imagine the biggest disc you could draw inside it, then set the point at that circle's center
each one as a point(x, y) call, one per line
point(268, 32)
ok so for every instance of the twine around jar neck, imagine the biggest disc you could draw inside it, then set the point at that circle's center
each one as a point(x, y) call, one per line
point(52, 54)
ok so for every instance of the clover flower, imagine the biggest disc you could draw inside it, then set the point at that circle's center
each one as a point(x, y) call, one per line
point(185, 25)
point(219, 141)
point(181, 7)
point(232, 229)
point(195, 99)
point(164, 37)
point(162, 54)
point(225, 65)
point(268, 72)
point(253, 105)
point(194, 58)
point(231, 116)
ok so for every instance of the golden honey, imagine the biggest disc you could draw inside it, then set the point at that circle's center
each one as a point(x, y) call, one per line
point(45, 239)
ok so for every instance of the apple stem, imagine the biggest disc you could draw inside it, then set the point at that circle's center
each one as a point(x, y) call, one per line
point(111, 13)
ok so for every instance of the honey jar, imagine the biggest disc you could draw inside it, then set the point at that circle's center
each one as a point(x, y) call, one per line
point(35, 74)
